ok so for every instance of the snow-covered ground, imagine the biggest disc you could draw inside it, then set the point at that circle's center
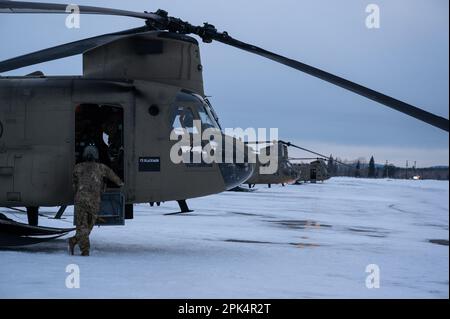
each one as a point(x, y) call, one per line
point(299, 241)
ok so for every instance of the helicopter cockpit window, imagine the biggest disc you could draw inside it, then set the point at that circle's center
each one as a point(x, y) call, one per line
point(207, 114)
point(207, 121)
point(189, 107)
point(213, 113)
point(183, 119)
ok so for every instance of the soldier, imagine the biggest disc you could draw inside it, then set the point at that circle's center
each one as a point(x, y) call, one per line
point(88, 184)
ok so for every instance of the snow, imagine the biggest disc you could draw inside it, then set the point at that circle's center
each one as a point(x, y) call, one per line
point(298, 241)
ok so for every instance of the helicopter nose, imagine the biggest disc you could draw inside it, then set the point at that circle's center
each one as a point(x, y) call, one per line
point(234, 174)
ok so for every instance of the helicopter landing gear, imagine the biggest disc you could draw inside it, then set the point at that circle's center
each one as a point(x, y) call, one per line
point(183, 206)
point(60, 212)
point(153, 203)
point(129, 211)
point(33, 215)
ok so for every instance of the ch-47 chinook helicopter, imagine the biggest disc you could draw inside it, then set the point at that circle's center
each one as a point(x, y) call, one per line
point(312, 171)
point(140, 82)
point(289, 172)
point(285, 172)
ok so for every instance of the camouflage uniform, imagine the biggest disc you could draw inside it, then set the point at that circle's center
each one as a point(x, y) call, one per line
point(88, 184)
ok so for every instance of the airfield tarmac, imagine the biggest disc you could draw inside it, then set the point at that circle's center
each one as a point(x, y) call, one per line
point(298, 241)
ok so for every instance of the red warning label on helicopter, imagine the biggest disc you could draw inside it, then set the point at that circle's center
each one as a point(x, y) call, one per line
point(149, 164)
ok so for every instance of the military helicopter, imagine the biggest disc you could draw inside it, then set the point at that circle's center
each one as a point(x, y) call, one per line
point(285, 172)
point(137, 85)
point(313, 171)
point(288, 171)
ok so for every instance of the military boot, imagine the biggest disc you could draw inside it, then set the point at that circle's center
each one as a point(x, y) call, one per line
point(85, 253)
point(72, 246)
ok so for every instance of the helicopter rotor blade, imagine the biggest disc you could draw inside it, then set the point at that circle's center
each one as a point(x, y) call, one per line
point(161, 21)
point(40, 7)
point(65, 50)
point(307, 158)
point(386, 100)
point(321, 156)
point(302, 148)
point(312, 152)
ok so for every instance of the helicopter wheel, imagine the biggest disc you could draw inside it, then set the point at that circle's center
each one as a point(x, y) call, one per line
point(33, 215)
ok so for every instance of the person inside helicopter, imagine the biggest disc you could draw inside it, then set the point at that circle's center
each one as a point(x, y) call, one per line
point(101, 126)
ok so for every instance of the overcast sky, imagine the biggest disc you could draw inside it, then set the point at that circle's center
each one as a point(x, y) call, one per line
point(407, 58)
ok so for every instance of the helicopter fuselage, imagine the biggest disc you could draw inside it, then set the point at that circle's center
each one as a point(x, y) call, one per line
point(126, 103)
point(285, 172)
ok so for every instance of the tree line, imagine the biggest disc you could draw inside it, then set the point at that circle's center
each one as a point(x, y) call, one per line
point(361, 168)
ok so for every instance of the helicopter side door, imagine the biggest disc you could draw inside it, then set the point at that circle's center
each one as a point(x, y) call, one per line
point(103, 115)
point(313, 176)
point(101, 125)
